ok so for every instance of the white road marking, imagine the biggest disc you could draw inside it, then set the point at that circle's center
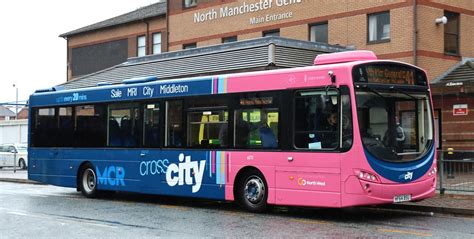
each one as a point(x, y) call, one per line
point(18, 213)
point(461, 184)
point(62, 220)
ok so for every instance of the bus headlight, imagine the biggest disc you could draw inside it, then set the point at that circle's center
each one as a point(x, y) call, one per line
point(433, 172)
point(368, 176)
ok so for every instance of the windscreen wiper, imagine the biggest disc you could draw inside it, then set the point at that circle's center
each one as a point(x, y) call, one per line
point(405, 93)
point(375, 92)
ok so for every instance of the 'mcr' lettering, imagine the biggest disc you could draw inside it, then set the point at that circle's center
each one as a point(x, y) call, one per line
point(183, 173)
point(113, 176)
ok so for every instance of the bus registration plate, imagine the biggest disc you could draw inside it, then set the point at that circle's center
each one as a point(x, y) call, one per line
point(402, 198)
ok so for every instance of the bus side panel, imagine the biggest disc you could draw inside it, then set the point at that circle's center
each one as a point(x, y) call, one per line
point(309, 179)
point(166, 172)
point(46, 167)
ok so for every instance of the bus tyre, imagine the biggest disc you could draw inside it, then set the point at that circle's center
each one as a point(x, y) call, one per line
point(88, 182)
point(21, 164)
point(252, 191)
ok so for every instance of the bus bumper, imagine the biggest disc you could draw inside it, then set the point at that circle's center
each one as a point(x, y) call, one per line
point(359, 192)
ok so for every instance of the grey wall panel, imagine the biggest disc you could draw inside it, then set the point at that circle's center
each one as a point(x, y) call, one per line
point(89, 59)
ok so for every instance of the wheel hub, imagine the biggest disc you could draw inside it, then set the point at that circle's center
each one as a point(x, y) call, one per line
point(88, 180)
point(254, 190)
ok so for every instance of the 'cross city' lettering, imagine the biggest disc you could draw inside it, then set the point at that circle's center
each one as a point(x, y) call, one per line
point(184, 174)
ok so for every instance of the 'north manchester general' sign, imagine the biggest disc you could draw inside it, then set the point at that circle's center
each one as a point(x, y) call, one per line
point(245, 8)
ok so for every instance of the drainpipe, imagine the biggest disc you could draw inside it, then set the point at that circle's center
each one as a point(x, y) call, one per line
point(67, 58)
point(415, 32)
point(147, 37)
point(167, 25)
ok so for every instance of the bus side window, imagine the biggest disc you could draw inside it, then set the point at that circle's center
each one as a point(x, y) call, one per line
point(256, 128)
point(44, 127)
point(346, 119)
point(65, 126)
point(124, 125)
point(151, 136)
point(174, 134)
point(208, 129)
point(90, 126)
point(316, 117)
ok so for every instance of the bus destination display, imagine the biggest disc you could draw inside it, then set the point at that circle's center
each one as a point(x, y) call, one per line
point(388, 74)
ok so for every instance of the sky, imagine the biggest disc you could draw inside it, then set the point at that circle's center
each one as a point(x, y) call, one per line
point(33, 56)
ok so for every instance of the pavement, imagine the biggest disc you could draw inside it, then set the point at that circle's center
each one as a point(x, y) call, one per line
point(449, 203)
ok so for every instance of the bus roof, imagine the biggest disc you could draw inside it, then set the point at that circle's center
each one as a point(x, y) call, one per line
point(151, 87)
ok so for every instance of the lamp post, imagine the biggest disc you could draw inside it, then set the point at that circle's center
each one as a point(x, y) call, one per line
point(19, 127)
point(16, 102)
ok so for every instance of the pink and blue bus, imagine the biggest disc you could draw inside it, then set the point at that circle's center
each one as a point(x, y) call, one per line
point(350, 130)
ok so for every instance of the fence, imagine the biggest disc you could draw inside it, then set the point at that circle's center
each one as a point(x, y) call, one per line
point(456, 171)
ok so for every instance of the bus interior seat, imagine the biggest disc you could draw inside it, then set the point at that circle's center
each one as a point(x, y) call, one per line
point(114, 133)
point(127, 136)
point(267, 137)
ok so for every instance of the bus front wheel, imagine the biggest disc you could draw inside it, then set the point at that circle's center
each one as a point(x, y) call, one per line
point(88, 182)
point(252, 192)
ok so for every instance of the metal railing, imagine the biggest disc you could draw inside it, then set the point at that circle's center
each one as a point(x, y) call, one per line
point(456, 171)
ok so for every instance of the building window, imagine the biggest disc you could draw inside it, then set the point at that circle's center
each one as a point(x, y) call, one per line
point(379, 27)
point(318, 32)
point(272, 33)
point(229, 39)
point(141, 46)
point(189, 45)
point(157, 43)
point(189, 3)
point(451, 33)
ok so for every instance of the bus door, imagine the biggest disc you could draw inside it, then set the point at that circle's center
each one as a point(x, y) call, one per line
point(322, 126)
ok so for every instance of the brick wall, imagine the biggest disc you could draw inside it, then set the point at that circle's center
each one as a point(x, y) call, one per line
point(467, 35)
point(183, 28)
point(128, 31)
point(347, 20)
point(457, 131)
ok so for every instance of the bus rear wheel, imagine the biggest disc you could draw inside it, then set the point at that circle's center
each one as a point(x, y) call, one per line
point(88, 182)
point(252, 192)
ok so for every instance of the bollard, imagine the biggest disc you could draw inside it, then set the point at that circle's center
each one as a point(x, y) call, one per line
point(441, 172)
point(450, 166)
point(14, 161)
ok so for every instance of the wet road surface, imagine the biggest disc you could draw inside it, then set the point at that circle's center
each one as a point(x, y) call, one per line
point(41, 211)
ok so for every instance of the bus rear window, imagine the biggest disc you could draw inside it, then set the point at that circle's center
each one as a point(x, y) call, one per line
point(45, 127)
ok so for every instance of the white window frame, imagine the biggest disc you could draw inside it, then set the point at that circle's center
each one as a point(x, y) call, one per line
point(373, 27)
point(141, 45)
point(157, 43)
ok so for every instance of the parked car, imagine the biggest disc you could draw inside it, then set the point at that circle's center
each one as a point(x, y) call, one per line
point(14, 155)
